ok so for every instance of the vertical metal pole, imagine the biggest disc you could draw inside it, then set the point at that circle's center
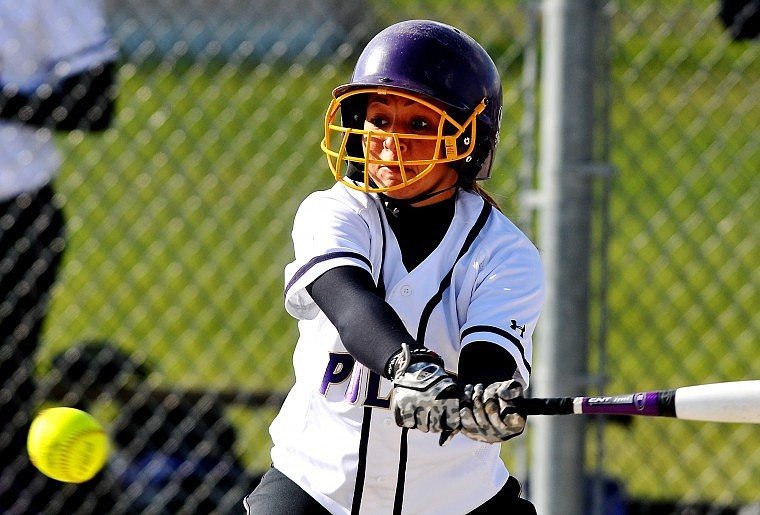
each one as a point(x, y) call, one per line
point(529, 120)
point(564, 221)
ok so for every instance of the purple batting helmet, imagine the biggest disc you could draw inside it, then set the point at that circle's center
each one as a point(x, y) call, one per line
point(434, 62)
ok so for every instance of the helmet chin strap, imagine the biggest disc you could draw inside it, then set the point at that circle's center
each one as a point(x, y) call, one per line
point(394, 205)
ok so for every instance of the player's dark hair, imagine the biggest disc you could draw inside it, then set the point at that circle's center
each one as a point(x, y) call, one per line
point(475, 187)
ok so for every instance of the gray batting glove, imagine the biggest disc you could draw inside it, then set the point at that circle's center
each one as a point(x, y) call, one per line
point(489, 414)
point(424, 394)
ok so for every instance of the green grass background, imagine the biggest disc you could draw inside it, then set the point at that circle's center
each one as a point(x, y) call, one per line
point(179, 221)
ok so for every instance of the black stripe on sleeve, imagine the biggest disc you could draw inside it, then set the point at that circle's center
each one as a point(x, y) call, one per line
point(501, 332)
point(319, 259)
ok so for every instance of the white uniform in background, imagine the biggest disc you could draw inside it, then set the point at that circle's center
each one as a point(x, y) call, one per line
point(43, 42)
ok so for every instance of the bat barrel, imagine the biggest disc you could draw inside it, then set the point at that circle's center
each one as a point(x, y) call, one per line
point(737, 401)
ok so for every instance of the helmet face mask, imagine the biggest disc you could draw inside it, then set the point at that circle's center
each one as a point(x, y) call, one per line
point(453, 141)
point(432, 63)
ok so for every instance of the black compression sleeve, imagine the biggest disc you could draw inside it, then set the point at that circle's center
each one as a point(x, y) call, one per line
point(485, 363)
point(84, 101)
point(370, 329)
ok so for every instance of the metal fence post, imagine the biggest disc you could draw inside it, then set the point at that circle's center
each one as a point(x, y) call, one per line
point(564, 221)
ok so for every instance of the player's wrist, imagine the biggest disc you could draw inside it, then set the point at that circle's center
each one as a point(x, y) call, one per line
point(400, 362)
point(425, 396)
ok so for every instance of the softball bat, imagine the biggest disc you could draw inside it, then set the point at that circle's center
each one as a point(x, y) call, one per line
point(736, 401)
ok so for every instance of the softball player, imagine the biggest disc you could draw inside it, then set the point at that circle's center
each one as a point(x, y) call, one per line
point(416, 298)
point(56, 74)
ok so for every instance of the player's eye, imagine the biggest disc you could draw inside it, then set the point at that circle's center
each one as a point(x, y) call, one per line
point(420, 125)
point(377, 121)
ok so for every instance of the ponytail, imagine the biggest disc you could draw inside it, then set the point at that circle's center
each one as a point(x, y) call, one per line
point(474, 186)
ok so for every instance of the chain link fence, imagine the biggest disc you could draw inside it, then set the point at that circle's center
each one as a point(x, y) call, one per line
point(167, 321)
point(684, 249)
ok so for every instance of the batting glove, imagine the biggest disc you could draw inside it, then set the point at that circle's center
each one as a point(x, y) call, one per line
point(490, 414)
point(424, 394)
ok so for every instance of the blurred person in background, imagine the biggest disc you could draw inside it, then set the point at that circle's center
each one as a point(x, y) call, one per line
point(57, 72)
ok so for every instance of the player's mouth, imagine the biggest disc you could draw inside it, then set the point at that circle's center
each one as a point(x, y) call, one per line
point(395, 171)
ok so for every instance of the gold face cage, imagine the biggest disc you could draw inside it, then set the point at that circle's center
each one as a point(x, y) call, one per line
point(447, 146)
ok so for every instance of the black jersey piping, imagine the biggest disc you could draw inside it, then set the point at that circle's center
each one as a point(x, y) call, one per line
point(361, 471)
point(433, 302)
point(424, 319)
point(398, 500)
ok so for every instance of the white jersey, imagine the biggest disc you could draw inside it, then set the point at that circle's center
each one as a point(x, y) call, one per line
point(43, 41)
point(336, 436)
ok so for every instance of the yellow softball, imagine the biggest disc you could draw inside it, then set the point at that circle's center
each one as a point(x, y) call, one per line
point(67, 444)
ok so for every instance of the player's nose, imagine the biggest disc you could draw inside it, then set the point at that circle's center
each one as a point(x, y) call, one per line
point(389, 143)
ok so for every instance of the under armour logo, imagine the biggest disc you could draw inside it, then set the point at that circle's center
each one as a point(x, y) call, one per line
point(520, 327)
